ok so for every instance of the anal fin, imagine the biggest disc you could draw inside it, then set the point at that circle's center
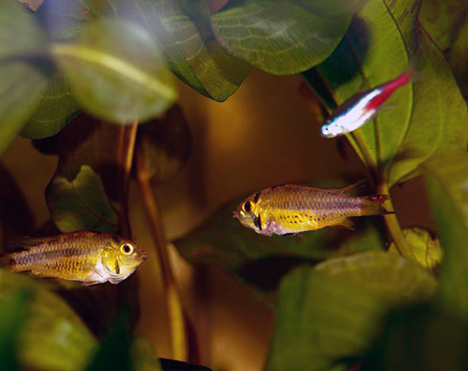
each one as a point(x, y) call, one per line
point(347, 223)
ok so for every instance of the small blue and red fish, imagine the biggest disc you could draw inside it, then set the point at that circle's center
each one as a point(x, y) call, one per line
point(292, 209)
point(363, 107)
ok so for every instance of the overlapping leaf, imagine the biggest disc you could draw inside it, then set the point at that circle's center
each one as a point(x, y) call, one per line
point(447, 181)
point(427, 118)
point(442, 20)
point(13, 313)
point(283, 37)
point(426, 249)
point(458, 57)
point(24, 69)
point(166, 145)
point(81, 203)
point(56, 108)
point(53, 336)
point(116, 72)
point(179, 28)
point(330, 314)
point(419, 337)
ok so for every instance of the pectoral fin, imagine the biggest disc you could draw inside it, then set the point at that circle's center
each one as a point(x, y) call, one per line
point(90, 283)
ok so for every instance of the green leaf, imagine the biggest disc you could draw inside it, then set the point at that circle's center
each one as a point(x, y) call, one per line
point(382, 40)
point(426, 249)
point(281, 37)
point(81, 203)
point(116, 72)
point(144, 356)
point(332, 313)
point(114, 352)
point(333, 8)
point(13, 313)
point(166, 144)
point(442, 18)
point(182, 31)
point(24, 69)
point(419, 338)
point(56, 108)
point(447, 183)
point(458, 57)
point(53, 337)
point(192, 52)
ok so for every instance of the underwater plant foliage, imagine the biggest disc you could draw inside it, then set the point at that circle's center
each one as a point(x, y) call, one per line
point(94, 83)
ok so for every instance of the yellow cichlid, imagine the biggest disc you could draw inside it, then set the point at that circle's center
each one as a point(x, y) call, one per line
point(89, 257)
point(292, 209)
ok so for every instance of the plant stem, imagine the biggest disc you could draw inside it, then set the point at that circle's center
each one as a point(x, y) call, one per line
point(127, 142)
point(177, 324)
point(393, 226)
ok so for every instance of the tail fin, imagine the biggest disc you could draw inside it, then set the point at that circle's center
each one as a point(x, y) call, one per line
point(373, 205)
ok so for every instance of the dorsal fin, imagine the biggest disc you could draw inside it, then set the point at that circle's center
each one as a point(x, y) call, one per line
point(26, 242)
point(353, 189)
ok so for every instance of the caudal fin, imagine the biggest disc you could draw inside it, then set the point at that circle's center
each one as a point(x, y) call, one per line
point(373, 205)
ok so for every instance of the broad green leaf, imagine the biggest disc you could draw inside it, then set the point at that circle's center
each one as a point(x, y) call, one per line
point(442, 18)
point(426, 249)
point(166, 144)
point(447, 182)
point(117, 72)
point(144, 356)
point(330, 314)
point(281, 37)
point(64, 19)
point(81, 203)
point(181, 30)
point(458, 57)
point(119, 351)
point(56, 108)
point(115, 349)
point(382, 42)
point(53, 337)
point(333, 8)
point(13, 313)
point(24, 69)
point(420, 337)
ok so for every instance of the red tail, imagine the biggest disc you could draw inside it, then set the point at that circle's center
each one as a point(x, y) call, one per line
point(373, 205)
point(378, 198)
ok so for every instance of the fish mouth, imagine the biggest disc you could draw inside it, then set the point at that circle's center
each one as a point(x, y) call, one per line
point(144, 256)
point(235, 215)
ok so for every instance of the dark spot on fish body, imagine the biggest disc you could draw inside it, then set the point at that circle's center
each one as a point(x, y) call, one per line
point(117, 267)
point(256, 197)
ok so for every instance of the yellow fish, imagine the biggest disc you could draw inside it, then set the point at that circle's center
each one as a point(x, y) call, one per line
point(292, 209)
point(89, 257)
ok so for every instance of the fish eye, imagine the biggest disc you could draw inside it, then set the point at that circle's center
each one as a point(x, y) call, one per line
point(248, 207)
point(126, 249)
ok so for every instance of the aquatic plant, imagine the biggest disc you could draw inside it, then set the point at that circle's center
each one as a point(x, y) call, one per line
point(78, 77)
